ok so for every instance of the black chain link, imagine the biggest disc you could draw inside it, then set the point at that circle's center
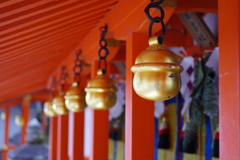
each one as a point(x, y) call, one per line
point(77, 69)
point(62, 81)
point(103, 45)
point(155, 19)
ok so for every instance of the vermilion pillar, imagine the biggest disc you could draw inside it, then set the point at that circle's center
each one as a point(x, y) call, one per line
point(25, 113)
point(76, 131)
point(62, 138)
point(229, 78)
point(53, 134)
point(139, 112)
point(6, 130)
point(99, 127)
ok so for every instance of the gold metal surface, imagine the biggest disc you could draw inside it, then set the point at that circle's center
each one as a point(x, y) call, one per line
point(5, 147)
point(101, 92)
point(19, 121)
point(3, 116)
point(75, 98)
point(59, 105)
point(157, 73)
point(48, 110)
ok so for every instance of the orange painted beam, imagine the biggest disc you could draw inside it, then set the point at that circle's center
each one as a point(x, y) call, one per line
point(120, 26)
point(229, 77)
point(60, 13)
point(204, 6)
point(99, 127)
point(62, 139)
point(6, 132)
point(76, 135)
point(25, 113)
point(139, 132)
point(53, 138)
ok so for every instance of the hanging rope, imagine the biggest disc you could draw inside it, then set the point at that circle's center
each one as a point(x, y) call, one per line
point(103, 49)
point(77, 69)
point(62, 80)
point(155, 19)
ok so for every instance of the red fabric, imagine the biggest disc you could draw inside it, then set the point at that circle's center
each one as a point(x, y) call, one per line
point(165, 130)
point(217, 135)
point(182, 134)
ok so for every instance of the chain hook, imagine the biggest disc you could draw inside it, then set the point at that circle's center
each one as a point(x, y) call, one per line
point(103, 48)
point(77, 69)
point(62, 80)
point(155, 19)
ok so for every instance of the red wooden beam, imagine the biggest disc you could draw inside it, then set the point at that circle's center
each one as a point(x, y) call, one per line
point(99, 127)
point(6, 133)
point(53, 138)
point(139, 131)
point(229, 78)
point(62, 139)
point(25, 113)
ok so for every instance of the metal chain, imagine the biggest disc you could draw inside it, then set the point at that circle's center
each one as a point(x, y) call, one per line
point(155, 19)
point(77, 69)
point(103, 49)
point(62, 81)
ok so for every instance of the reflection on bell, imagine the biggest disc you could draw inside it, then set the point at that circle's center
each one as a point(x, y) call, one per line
point(19, 121)
point(157, 73)
point(59, 105)
point(48, 110)
point(75, 98)
point(101, 92)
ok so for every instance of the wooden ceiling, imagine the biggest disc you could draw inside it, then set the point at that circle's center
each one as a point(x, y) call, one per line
point(35, 36)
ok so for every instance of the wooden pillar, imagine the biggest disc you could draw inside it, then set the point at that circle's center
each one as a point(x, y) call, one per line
point(76, 135)
point(76, 131)
point(6, 131)
point(53, 134)
point(229, 78)
point(99, 127)
point(62, 138)
point(25, 113)
point(139, 112)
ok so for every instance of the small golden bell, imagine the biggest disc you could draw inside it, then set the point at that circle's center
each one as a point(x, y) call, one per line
point(19, 121)
point(59, 105)
point(75, 98)
point(3, 116)
point(101, 92)
point(157, 73)
point(48, 110)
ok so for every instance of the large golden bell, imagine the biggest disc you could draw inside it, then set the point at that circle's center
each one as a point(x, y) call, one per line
point(101, 92)
point(157, 73)
point(48, 110)
point(59, 105)
point(75, 98)
point(19, 120)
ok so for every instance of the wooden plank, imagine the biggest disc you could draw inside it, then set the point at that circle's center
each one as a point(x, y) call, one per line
point(62, 139)
point(139, 130)
point(6, 133)
point(25, 113)
point(229, 77)
point(53, 138)
point(99, 128)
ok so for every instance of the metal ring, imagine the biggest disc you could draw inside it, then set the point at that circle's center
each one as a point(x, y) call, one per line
point(159, 20)
point(154, 5)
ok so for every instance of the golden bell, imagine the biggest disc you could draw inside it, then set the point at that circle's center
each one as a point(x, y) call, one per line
point(101, 92)
point(19, 121)
point(3, 116)
point(48, 110)
point(75, 98)
point(157, 73)
point(59, 105)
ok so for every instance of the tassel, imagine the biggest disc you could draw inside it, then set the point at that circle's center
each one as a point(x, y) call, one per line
point(181, 138)
point(163, 134)
point(216, 145)
point(190, 139)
